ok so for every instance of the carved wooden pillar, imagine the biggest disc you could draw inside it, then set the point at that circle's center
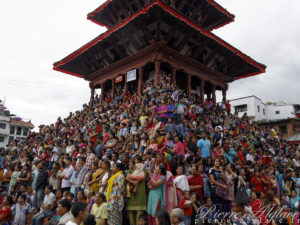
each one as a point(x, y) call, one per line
point(113, 87)
point(174, 76)
point(102, 93)
point(126, 84)
point(202, 82)
point(189, 85)
point(224, 92)
point(156, 74)
point(92, 94)
point(140, 81)
point(214, 98)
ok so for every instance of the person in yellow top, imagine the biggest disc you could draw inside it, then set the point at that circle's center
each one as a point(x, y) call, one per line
point(99, 209)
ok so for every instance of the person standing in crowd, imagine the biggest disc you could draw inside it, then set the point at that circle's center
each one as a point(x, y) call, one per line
point(22, 211)
point(66, 175)
point(158, 192)
point(114, 196)
point(40, 185)
point(99, 209)
point(204, 145)
point(80, 174)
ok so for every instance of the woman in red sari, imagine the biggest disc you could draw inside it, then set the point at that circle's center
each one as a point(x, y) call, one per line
point(257, 208)
point(95, 130)
point(196, 183)
point(5, 211)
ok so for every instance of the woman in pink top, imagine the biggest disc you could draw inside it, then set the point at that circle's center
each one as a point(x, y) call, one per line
point(179, 147)
point(163, 112)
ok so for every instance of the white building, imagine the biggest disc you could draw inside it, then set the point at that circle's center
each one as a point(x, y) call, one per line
point(11, 128)
point(257, 110)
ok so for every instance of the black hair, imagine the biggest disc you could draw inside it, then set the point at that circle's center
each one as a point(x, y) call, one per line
point(77, 208)
point(23, 196)
point(139, 158)
point(70, 194)
point(120, 166)
point(144, 217)
point(65, 203)
point(163, 217)
point(50, 187)
point(163, 169)
point(69, 159)
point(90, 220)
point(82, 158)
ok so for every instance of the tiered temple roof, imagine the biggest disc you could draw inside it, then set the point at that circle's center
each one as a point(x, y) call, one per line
point(160, 26)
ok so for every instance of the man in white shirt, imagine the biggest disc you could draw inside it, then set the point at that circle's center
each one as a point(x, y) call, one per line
point(250, 157)
point(46, 206)
point(66, 175)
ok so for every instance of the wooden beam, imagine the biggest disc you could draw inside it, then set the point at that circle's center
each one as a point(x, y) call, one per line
point(111, 15)
point(184, 40)
point(172, 30)
point(117, 47)
point(132, 38)
point(200, 49)
point(211, 55)
point(143, 26)
point(158, 30)
point(124, 8)
point(138, 4)
point(116, 12)
point(105, 54)
point(181, 5)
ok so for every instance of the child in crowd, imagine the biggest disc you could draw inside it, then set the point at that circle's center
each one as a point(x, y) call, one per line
point(138, 173)
point(186, 205)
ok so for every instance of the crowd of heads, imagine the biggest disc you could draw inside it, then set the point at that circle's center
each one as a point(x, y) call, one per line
point(165, 130)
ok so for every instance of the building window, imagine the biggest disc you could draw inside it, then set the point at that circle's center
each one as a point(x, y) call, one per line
point(12, 130)
point(264, 111)
point(283, 129)
point(258, 109)
point(1, 139)
point(25, 131)
point(11, 138)
point(241, 108)
point(2, 125)
point(277, 112)
point(19, 130)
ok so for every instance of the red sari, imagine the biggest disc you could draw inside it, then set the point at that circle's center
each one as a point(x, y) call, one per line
point(5, 213)
point(95, 131)
point(197, 180)
point(258, 210)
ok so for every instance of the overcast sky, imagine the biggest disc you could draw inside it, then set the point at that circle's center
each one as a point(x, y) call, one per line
point(36, 33)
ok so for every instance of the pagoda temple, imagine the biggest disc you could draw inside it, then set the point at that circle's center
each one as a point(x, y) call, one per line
point(146, 39)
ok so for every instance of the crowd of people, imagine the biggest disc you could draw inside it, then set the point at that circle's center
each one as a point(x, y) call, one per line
point(160, 158)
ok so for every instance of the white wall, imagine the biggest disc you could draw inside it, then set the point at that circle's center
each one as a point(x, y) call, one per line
point(4, 132)
point(252, 103)
point(285, 111)
point(260, 115)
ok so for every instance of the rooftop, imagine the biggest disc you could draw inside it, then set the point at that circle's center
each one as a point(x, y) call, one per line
point(21, 123)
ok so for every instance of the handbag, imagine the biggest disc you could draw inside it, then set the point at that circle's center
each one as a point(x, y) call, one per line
point(221, 192)
point(241, 195)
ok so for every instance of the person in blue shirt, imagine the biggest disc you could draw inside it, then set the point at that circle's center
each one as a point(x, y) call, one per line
point(230, 155)
point(204, 145)
point(294, 201)
point(171, 109)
